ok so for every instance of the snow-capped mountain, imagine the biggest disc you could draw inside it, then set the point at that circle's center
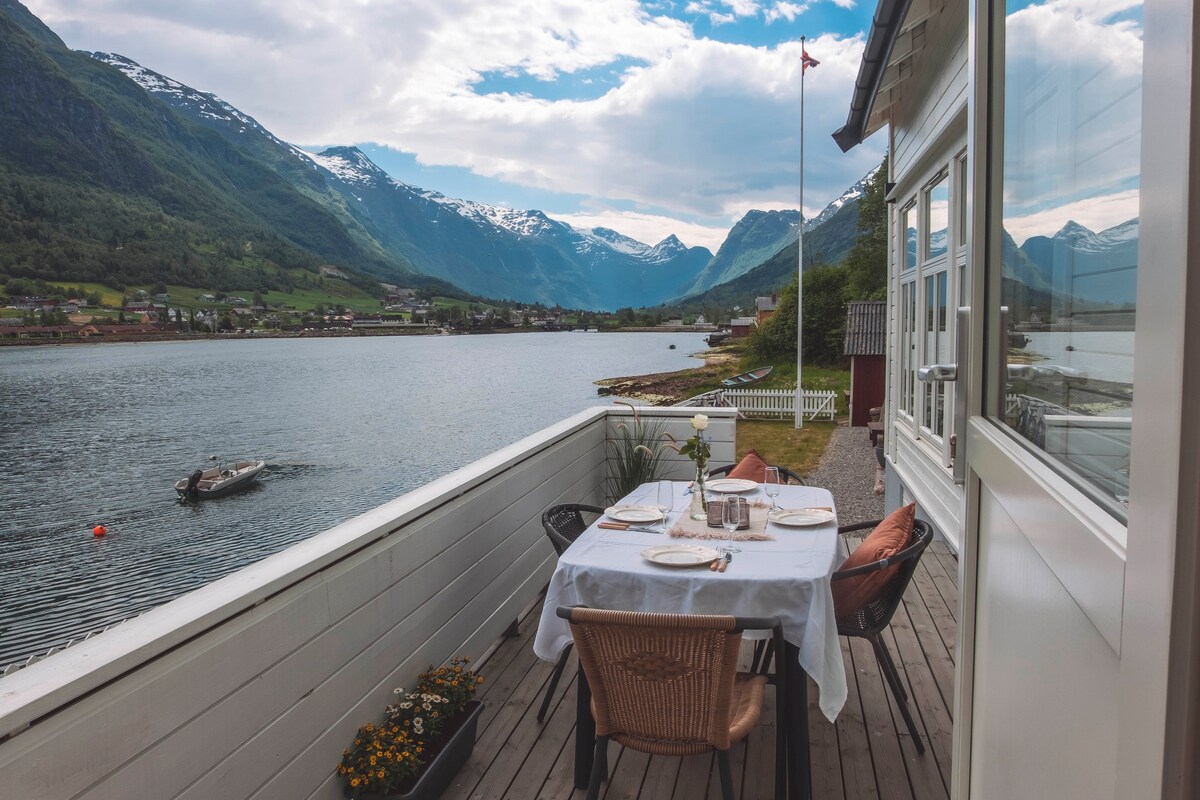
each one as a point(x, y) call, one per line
point(850, 196)
point(759, 235)
point(488, 250)
point(1085, 265)
point(505, 252)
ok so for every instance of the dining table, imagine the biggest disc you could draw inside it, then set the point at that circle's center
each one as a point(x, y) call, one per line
point(779, 570)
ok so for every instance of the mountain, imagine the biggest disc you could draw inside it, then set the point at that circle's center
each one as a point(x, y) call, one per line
point(100, 182)
point(760, 235)
point(1089, 267)
point(487, 250)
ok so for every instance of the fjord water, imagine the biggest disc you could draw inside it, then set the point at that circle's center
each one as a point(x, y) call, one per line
point(99, 434)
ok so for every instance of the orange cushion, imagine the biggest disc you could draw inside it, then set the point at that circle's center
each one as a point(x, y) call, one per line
point(750, 468)
point(889, 537)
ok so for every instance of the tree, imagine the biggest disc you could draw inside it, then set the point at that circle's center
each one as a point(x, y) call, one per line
point(867, 261)
point(824, 320)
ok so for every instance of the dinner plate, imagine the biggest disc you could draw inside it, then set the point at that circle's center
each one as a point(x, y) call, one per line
point(680, 555)
point(799, 517)
point(634, 513)
point(731, 485)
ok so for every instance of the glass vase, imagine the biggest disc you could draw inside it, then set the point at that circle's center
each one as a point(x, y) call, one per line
point(699, 509)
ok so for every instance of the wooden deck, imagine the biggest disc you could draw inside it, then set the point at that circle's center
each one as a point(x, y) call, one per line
point(868, 753)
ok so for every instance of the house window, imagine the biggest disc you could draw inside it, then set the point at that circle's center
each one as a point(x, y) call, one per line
point(928, 288)
point(937, 212)
point(908, 312)
point(1070, 189)
point(909, 229)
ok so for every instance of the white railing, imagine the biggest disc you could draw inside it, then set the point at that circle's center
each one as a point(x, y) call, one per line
point(250, 687)
point(782, 403)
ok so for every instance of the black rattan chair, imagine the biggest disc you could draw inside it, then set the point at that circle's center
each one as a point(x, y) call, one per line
point(785, 474)
point(872, 618)
point(869, 620)
point(564, 524)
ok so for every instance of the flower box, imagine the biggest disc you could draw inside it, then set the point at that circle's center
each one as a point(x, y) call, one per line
point(450, 752)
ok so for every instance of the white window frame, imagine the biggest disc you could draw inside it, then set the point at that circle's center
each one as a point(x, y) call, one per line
point(913, 340)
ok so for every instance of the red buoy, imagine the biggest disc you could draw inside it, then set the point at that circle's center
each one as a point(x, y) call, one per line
point(99, 530)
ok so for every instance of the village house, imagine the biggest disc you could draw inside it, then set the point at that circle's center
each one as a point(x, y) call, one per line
point(764, 307)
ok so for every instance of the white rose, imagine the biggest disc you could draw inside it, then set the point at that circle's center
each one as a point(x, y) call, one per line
point(700, 422)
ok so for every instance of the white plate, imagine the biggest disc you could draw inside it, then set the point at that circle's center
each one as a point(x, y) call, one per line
point(731, 485)
point(680, 555)
point(634, 513)
point(799, 517)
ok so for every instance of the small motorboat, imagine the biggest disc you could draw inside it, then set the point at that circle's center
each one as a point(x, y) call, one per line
point(747, 378)
point(223, 479)
point(715, 338)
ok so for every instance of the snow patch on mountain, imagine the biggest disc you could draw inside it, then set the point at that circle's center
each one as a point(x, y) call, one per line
point(853, 194)
point(348, 164)
point(205, 104)
point(1084, 240)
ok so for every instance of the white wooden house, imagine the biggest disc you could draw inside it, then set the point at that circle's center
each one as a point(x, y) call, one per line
point(1039, 194)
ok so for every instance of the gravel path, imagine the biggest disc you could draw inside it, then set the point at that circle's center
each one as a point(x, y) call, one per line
point(847, 469)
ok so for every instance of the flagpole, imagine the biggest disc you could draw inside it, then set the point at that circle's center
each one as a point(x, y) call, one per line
point(800, 251)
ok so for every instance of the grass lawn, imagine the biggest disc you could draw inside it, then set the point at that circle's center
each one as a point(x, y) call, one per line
point(779, 442)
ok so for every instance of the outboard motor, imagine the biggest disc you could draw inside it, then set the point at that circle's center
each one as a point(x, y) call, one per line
point(193, 480)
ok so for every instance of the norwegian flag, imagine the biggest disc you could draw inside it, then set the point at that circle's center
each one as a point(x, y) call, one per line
point(807, 60)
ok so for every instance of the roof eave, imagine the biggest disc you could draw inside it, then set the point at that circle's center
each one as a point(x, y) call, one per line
point(885, 27)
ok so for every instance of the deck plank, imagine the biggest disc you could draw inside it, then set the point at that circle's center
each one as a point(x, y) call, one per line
point(866, 755)
point(887, 759)
point(858, 775)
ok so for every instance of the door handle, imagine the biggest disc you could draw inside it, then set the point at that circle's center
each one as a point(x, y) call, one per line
point(938, 373)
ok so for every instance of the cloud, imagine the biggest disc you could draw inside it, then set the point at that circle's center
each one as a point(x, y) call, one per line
point(695, 127)
point(786, 10)
point(742, 8)
point(1094, 213)
point(648, 228)
point(716, 18)
point(1074, 69)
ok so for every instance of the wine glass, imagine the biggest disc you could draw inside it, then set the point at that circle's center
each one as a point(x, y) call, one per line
point(731, 517)
point(666, 500)
point(771, 485)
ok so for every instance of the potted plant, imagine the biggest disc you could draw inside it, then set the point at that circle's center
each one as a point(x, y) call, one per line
point(423, 741)
point(635, 454)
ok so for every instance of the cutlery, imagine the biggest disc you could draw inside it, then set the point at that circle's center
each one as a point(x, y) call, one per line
point(723, 563)
point(624, 526)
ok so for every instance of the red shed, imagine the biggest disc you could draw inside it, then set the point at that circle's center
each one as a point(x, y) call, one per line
point(866, 345)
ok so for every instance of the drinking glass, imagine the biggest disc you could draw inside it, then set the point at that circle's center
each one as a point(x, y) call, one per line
point(771, 485)
point(731, 517)
point(666, 500)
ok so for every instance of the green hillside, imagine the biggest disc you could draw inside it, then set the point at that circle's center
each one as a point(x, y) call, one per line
point(828, 243)
point(99, 182)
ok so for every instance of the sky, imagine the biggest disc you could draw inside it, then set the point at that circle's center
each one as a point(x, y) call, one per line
point(652, 118)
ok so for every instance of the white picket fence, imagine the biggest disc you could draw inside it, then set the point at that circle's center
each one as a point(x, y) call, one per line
point(770, 402)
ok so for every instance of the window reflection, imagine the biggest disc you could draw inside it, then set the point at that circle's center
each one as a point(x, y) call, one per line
point(937, 211)
point(1072, 134)
point(909, 225)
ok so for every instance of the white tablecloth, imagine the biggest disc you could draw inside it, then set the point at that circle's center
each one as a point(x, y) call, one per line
point(786, 578)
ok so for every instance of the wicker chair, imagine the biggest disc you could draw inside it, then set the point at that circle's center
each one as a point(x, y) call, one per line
point(870, 619)
point(785, 474)
point(668, 685)
point(563, 524)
